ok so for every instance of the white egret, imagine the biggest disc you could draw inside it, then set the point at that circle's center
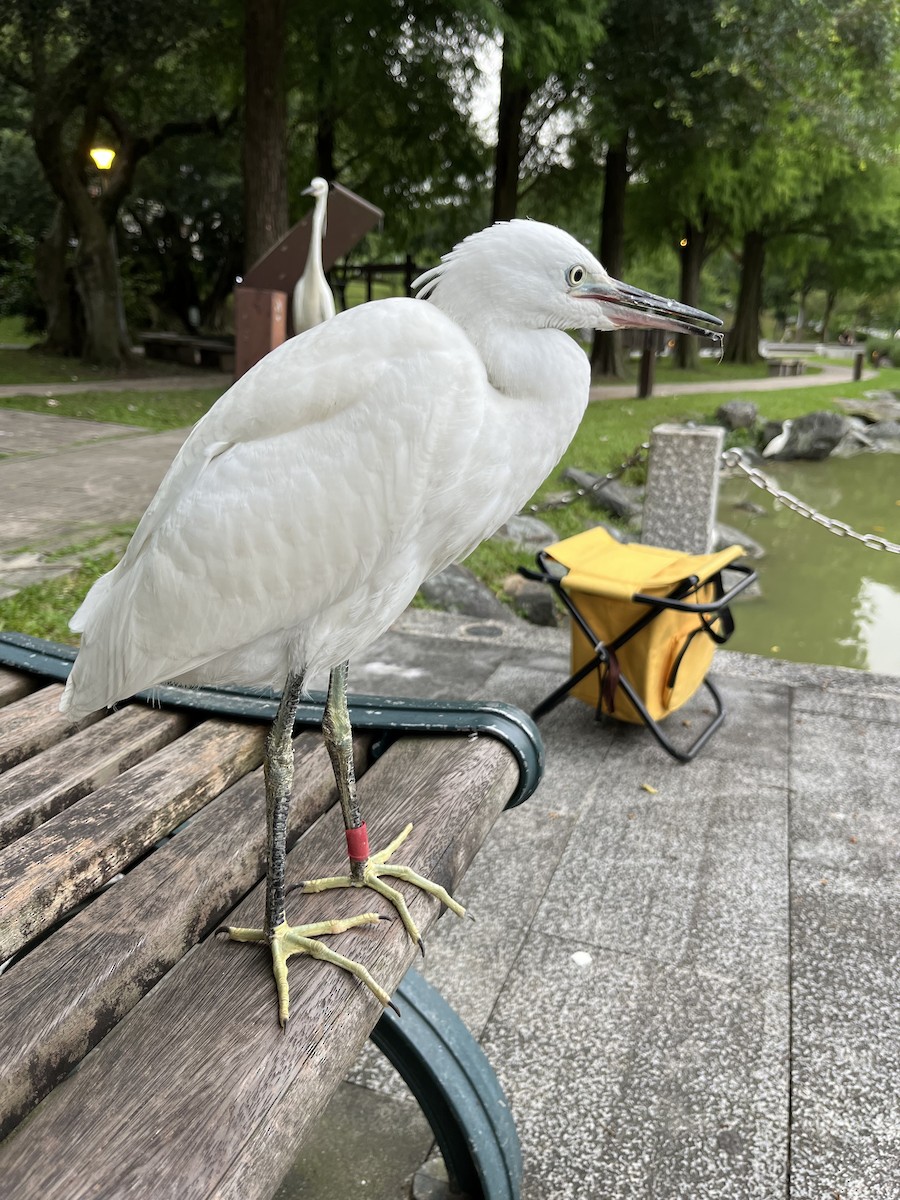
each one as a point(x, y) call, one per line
point(312, 302)
point(353, 462)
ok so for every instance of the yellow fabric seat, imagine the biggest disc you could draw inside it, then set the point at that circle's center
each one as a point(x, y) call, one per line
point(645, 624)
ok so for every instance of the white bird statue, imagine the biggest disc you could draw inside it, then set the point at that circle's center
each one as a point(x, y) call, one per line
point(312, 302)
point(349, 465)
point(779, 441)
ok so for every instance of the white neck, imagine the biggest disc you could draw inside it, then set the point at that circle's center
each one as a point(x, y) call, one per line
point(318, 229)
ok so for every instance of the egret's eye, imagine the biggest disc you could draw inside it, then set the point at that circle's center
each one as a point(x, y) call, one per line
point(574, 276)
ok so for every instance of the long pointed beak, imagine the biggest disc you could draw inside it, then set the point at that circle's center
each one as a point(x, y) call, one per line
point(631, 308)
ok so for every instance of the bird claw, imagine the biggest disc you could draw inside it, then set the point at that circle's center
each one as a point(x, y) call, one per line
point(287, 940)
point(377, 866)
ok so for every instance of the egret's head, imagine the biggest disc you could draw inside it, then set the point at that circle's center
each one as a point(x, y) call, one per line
point(524, 274)
point(318, 187)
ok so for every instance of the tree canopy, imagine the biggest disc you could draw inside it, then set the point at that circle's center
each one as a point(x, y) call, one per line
point(745, 152)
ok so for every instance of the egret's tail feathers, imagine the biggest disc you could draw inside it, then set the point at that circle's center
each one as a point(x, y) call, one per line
point(93, 600)
point(72, 704)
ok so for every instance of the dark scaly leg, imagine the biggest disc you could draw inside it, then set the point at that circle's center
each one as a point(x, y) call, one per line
point(366, 869)
point(285, 940)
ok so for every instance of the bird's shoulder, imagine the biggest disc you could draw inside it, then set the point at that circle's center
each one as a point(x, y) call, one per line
point(380, 358)
point(355, 358)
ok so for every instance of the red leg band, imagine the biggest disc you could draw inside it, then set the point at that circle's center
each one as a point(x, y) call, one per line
point(358, 843)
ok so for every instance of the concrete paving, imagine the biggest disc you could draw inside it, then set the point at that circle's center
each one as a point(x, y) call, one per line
point(688, 992)
point(685, 976)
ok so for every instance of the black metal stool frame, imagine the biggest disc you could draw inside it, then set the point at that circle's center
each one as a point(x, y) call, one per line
point(603, 651)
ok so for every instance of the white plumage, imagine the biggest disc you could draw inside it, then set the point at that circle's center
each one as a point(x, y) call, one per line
point(354, 461)
point(308, 505)
point(312, 301)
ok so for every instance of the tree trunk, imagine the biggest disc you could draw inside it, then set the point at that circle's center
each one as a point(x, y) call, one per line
point(265, 129)
point(325, 102)
point(607, 352)
point(692, 257)
point(55, 286)
point(514, 96)
point(830, 301)
point(742, 342)
point(97, 277)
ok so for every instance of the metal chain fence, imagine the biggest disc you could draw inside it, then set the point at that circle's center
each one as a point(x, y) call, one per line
point(734, 459)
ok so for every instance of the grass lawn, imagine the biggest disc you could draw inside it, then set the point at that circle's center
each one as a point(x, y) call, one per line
point(33, 366)
point(12, 332)
point(44, 609)
point(151, 410)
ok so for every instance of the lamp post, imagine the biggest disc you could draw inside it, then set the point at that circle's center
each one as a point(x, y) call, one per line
point(102, 158)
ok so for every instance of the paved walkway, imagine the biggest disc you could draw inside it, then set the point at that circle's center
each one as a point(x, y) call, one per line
point(826, 374)
point(157, 383)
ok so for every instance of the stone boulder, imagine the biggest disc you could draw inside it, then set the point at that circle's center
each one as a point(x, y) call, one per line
point(727, 535)
point(884, 431)
point(737, 414)
point(456, 589)
point(532, 600)
point(616, 498)
point(527, 532)
point(813, 436)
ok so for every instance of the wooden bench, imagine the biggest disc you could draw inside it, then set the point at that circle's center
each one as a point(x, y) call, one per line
point(190, 349)
point(126, 842)
point(785, 366)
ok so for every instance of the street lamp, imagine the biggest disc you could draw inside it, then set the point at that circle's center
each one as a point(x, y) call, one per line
point(102, 157)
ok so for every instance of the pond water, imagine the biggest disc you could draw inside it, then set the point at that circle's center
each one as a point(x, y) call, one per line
point(825, 599)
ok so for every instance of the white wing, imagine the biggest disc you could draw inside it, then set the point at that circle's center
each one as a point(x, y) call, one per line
point(341, 450)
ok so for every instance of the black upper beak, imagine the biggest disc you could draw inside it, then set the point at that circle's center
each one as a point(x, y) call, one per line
point(631, 307)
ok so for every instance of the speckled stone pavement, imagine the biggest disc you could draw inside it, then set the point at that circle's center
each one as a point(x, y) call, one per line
point(734, 1033)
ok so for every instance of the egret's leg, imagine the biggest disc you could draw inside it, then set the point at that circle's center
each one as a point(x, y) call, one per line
point(366, 870)
point(285, 940)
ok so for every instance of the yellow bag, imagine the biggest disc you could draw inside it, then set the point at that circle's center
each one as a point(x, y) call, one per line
point(666, 660)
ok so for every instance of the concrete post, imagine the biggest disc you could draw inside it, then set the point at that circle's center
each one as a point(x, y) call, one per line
point(683, 487)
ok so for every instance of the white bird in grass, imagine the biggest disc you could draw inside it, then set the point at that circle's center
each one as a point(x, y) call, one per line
point(312, 302)
point(349, 465)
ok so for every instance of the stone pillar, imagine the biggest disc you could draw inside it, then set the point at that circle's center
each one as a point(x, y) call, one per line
point(683, 487)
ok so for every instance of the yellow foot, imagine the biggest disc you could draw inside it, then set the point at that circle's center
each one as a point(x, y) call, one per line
point(377, 866)
point(302, 939)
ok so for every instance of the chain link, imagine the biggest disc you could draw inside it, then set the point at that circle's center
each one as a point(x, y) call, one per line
point(736, 459)
point(637, 457)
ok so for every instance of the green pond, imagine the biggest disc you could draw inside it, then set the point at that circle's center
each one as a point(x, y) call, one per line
point(824, 599)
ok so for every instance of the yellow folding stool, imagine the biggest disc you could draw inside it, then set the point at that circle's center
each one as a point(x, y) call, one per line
point(645, 625)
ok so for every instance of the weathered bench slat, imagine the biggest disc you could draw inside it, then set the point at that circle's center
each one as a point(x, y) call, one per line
point(69, 991)
point(34, 791)
point(46, 873)
point(136, 1119)
point(34, 723)
point(14, 685)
